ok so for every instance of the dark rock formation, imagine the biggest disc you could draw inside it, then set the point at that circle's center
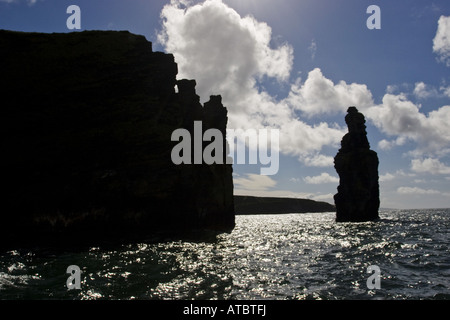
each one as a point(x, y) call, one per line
point(246, 205)
point(86, 128)
point(358, 196)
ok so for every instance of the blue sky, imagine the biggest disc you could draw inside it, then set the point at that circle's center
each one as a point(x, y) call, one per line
point(297, 65)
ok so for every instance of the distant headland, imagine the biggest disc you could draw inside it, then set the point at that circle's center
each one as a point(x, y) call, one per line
point(246, 205)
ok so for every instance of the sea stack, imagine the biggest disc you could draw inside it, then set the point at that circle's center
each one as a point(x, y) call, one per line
point(358, 197)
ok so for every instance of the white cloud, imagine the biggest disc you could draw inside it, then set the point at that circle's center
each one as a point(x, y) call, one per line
point(300, 139)
point(397, 116)
point(317, 160)
point(386, 177)
point(387, 145)
point(429, 165)
point(415, 190)
point(29, 2)
point(228, 55)
point(263, 186)
point(324, 197)
point(321, 179)
point(423, 91)
point(213, 42)
point(402, 173)
point(445, 91)
point(313, 49)
point(392, 88)
point(319, 95)
point(277, 194)
point(441, 42)
point(254, 182)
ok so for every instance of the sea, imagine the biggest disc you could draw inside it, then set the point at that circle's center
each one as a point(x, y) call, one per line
point(403, 256)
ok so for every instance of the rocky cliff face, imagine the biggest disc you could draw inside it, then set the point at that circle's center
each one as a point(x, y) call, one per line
point(358, 196)
point(86, 144)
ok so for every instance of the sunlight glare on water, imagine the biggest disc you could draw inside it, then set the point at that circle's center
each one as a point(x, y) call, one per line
point(293, 256)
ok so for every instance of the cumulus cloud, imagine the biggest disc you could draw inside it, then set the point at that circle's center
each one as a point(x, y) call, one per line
point(319, 95)
point(321, 179)
point(214, 43)
point(441, 42)
point(317, 160)
point(386, 177)
point(429, 165)
point(445, 91)
point(387, 145)
point(230, 55)
point(398, 116)
point(423, 91)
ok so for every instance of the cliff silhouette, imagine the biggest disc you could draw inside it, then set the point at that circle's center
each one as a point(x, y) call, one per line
point(87, 119)
point(247, 205)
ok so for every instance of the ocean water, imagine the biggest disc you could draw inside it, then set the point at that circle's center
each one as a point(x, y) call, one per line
point(273, 257)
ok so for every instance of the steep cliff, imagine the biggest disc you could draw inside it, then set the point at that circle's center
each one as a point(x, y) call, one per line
point(86, 128)
point(358, 197)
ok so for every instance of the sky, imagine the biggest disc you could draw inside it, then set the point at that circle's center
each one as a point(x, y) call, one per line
point(296, 66)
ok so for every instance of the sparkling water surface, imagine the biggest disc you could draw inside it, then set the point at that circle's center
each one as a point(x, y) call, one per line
point(293, 256)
